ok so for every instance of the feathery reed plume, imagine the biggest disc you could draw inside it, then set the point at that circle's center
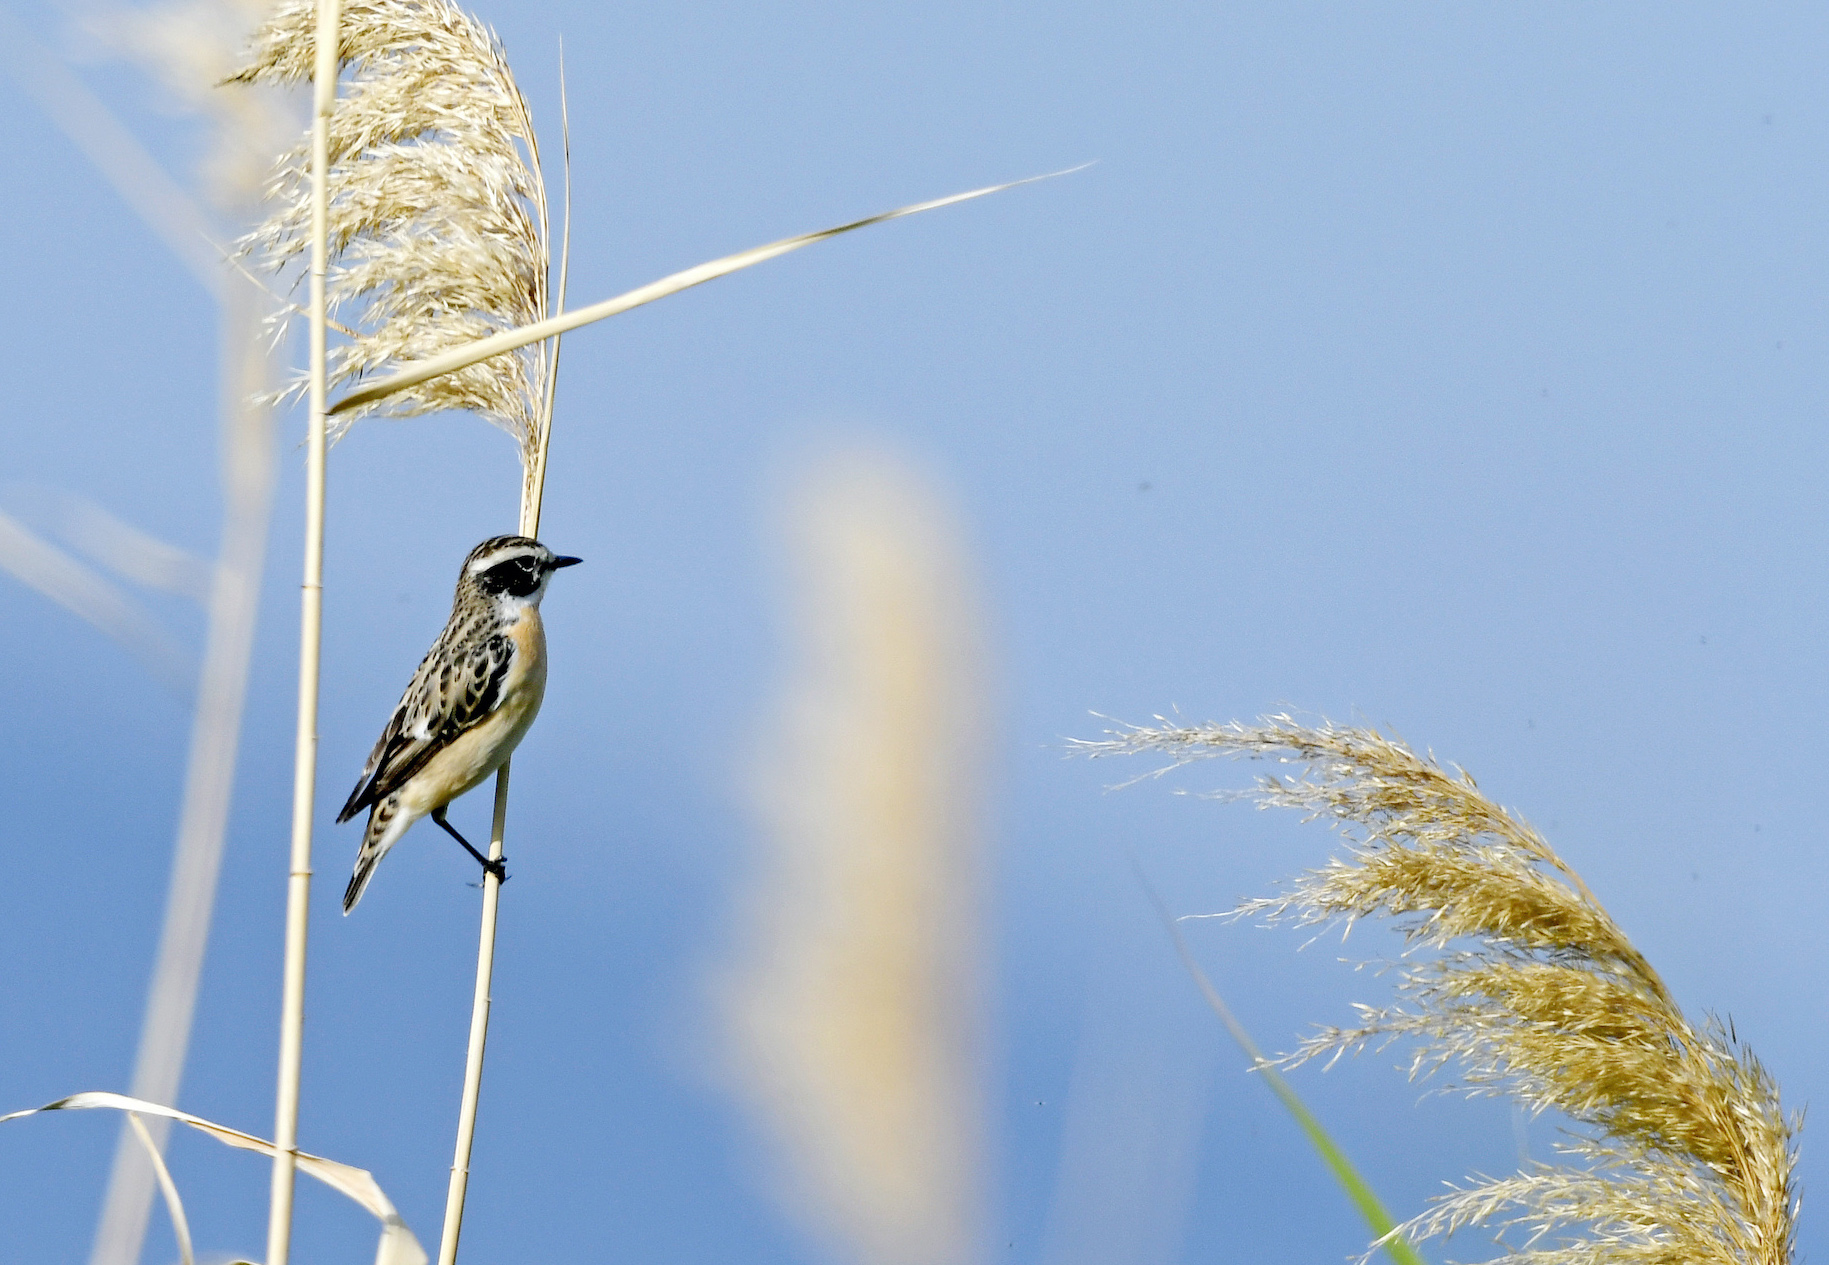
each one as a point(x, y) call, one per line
point(1518, 975)
point(438, 226)
point(852, 1010)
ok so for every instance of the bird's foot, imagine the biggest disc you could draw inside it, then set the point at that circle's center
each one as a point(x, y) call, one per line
point(497, 867)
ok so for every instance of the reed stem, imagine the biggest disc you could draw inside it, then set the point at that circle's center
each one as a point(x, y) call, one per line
point(311, 621)
point(479, 1035)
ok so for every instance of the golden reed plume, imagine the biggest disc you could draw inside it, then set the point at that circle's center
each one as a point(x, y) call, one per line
point(438, 224)
point(1681, 1153)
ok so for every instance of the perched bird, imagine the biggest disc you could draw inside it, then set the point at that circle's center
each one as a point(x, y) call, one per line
point(469, 705)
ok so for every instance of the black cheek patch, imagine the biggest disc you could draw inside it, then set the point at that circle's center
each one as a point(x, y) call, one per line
point(519, 577)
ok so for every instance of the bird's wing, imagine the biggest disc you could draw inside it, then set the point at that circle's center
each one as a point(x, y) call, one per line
point(449, 694)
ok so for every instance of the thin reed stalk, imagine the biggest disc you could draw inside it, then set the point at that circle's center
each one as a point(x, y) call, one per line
point(311, 624)
point(477, 1045)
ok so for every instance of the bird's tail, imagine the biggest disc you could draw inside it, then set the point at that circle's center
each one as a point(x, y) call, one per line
point(376, 840)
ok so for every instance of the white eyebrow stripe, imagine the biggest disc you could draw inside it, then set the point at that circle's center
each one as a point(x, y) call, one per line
point(488, 562)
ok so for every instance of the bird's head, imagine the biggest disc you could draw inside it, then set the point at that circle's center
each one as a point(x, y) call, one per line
point(512, 570)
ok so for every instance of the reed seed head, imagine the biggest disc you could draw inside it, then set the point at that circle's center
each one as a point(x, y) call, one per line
point(438, 224)
point(1519, 977)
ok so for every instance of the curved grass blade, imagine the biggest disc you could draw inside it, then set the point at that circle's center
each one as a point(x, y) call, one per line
point(508, 340)
point(1357, 1189)
point(398, 1246)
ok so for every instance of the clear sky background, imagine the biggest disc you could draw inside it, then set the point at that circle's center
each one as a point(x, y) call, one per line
point(1455, 369)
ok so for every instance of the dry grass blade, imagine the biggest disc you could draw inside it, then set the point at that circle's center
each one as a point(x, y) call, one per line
point(174, 1206)
point(129, 552)
point(463, 358)
point(1520, 978)
point(437, 208)
point(398, 1246)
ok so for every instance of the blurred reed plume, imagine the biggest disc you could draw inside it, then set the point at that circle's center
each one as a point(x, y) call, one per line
point(438, 224)
point(41, 565)
point(1518, 975)
point(187, 46)
point(853, 1012)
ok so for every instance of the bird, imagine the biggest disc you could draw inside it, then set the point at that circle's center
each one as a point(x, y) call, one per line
point(468, 706)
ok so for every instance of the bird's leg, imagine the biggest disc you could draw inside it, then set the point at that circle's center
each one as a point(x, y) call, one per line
point(498, 867)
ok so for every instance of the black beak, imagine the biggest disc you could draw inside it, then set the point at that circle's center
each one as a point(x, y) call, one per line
point(566, 562)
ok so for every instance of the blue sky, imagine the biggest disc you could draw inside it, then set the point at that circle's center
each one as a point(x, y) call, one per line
point(1453, 370)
